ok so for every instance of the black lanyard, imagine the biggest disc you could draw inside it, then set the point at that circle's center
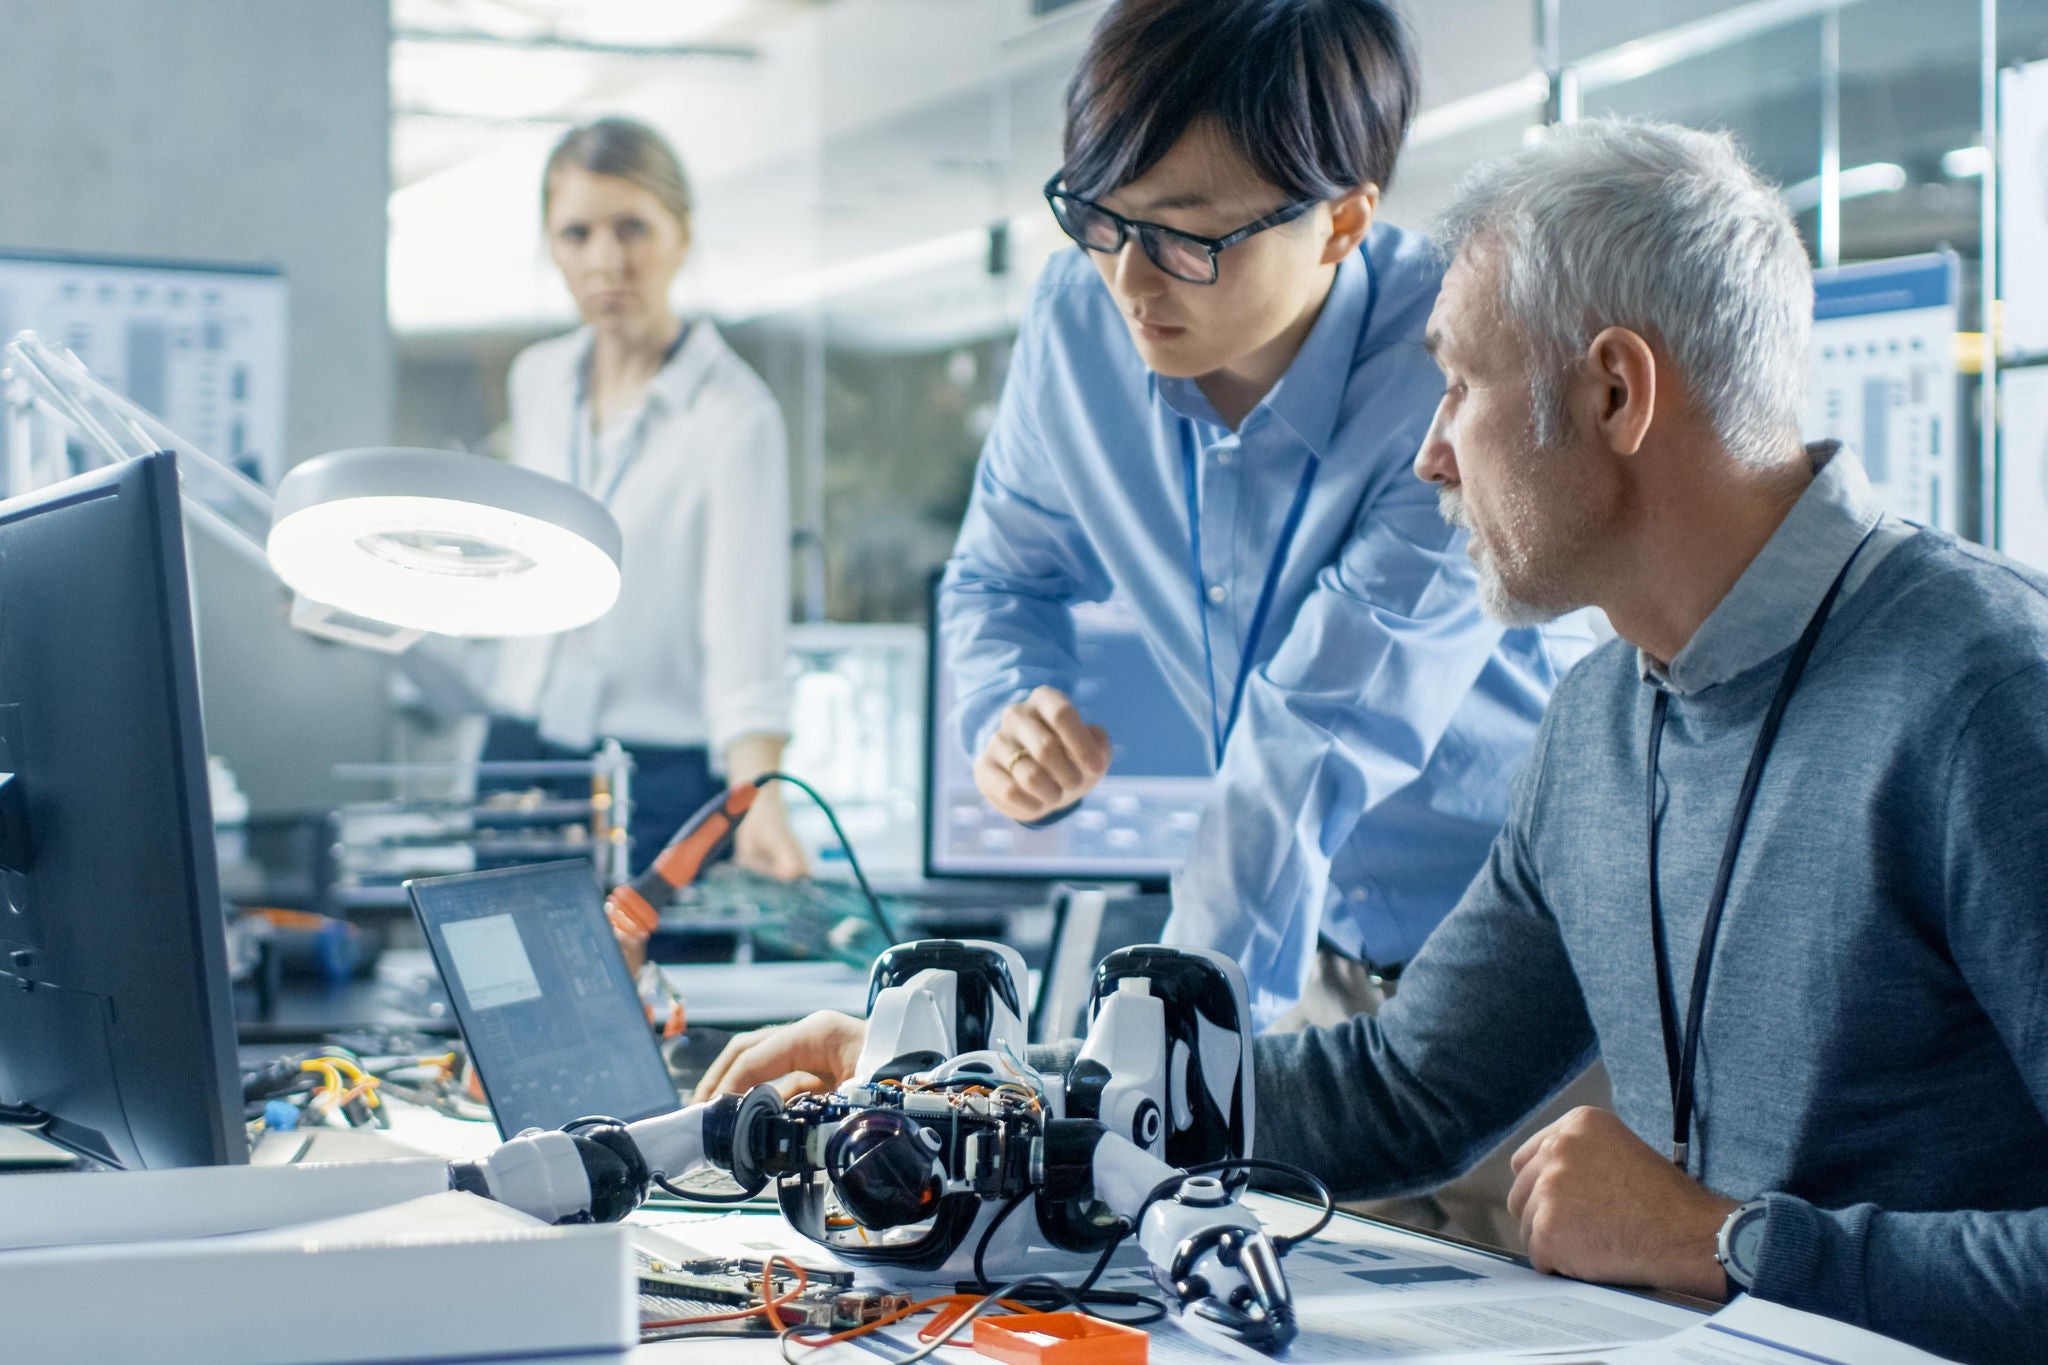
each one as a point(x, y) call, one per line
point(1681, 1053)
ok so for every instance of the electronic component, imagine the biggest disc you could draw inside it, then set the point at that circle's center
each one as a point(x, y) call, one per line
point(709, 1286)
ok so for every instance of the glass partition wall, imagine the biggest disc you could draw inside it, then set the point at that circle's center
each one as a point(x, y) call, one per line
point(1869, 112)
point(873, 250)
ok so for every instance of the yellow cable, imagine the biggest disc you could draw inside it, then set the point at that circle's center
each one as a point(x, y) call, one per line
point(325, 1068)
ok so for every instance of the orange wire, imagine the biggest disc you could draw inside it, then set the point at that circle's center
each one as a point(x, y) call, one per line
point(959, 1303)
point(366, 1089)
point(767, 1305)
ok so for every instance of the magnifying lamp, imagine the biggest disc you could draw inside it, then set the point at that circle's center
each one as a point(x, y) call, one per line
point(444, 542)
point(379, 545)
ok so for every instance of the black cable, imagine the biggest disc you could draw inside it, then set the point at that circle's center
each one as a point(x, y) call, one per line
point(845, 844)
point(981, 1280)
point(1091, 1300)
point(1102, 1263)
point(702, 1196)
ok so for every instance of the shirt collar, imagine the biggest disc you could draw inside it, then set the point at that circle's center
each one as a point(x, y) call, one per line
point(1770, 605)
point(1310, 393)
point(676, 382)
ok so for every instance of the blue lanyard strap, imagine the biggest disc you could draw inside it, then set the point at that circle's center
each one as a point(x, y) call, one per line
point(1220, 734)
point(579, 422)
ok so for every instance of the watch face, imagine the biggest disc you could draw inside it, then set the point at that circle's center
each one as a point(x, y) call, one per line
point(1746, 1242)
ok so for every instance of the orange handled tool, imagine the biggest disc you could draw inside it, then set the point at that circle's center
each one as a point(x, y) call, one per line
point(634, 907)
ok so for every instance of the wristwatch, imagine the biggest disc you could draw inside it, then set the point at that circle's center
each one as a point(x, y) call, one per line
point(1739, 1247)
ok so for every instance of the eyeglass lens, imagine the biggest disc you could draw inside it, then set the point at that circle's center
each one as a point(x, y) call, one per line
point(1098, 231)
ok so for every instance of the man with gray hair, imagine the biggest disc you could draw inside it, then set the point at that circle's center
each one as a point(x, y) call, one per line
point(1777, 853)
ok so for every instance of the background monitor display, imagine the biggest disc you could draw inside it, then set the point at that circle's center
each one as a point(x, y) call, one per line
point(202, 346)
point(1139, 823)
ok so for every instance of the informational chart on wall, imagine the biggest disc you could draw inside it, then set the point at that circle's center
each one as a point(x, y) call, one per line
point(201, 346)
point(2023, 465)
point(1884, 378)
point(2023, 208)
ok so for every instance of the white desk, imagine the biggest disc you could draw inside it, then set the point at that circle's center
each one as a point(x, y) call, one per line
point(1364, 1291)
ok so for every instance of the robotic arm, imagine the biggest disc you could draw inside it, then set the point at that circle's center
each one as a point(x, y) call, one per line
point(918, 1163)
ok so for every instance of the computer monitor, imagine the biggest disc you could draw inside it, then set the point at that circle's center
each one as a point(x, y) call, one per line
point(116, 1024)
point(1139, 822)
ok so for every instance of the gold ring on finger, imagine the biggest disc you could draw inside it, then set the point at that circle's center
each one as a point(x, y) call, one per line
point(1015, 759)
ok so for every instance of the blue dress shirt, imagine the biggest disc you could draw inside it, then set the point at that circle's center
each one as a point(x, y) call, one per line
point(1367, 770)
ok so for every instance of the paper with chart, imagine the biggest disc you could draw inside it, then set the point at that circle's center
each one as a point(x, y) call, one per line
point(1752, 1332)
point(1367, 1292)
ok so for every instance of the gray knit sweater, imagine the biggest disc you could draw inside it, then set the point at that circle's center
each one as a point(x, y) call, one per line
point(1875, 1043)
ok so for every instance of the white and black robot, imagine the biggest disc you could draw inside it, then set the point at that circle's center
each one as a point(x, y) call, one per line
point(926, 1161)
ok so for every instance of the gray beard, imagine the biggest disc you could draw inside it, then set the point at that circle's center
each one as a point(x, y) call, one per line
point(1494, 598)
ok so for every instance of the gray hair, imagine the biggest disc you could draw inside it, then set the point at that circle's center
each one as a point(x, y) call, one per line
point(1665, 231)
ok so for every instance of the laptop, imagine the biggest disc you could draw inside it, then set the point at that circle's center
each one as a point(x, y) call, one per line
point(555, 1027)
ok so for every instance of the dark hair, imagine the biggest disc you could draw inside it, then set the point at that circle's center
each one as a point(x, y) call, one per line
point(1316, 94)
point(628, 150)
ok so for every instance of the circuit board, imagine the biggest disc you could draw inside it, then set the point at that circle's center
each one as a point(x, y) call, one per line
point(709, 1286)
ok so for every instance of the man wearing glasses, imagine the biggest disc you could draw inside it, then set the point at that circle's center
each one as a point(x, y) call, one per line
point(1210, 413)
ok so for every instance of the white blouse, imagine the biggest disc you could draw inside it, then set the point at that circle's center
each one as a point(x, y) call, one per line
point(695, 651)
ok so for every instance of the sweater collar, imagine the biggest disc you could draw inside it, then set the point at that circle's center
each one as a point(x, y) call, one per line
point(1764, 613)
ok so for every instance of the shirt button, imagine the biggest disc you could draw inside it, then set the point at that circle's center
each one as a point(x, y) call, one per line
point(1225, 456)
point(1218, 594)
point(1357, 893)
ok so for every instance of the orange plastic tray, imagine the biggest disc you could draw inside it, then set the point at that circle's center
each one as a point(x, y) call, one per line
point(1078, 1340)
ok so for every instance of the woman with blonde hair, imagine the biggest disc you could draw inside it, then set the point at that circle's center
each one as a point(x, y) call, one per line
point(659, 418)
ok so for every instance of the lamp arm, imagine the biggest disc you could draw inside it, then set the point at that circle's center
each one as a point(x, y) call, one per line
point(52, 381)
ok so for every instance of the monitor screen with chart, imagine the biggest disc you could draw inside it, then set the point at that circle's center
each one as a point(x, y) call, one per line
point(1138, 824)
point(201, 345)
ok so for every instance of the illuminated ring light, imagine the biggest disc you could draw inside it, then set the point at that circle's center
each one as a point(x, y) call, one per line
point(444, 542)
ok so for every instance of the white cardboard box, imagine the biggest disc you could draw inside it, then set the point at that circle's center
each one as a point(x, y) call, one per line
point(445, 1277)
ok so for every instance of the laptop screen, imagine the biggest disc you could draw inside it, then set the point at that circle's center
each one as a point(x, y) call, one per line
point(554, 1026)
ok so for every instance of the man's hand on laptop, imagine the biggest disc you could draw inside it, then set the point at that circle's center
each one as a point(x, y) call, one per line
point(815, 1053)
point(1598, 1203)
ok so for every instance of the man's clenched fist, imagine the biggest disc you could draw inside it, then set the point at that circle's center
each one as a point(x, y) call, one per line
point(1043, 757)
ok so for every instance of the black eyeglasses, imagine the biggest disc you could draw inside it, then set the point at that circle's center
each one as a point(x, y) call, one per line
point(1182, 255)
